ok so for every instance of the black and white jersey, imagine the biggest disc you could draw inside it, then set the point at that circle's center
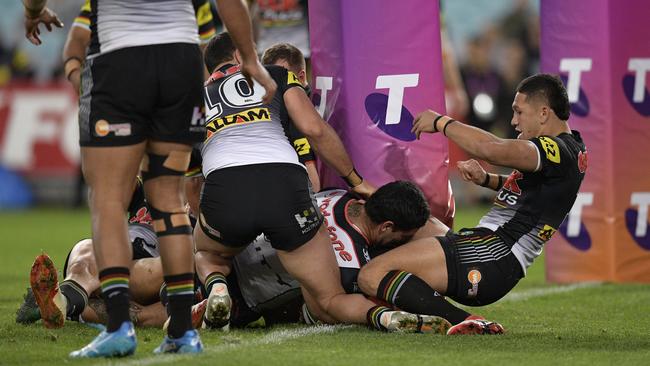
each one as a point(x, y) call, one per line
point(241, 129)
point(117, 24)
point(530, 206)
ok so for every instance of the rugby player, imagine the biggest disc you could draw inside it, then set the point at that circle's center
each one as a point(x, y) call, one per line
point(116, 133)
point(478, 266)
point(254, 184)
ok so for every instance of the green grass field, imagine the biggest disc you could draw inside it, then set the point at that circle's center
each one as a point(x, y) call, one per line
point(593, 324)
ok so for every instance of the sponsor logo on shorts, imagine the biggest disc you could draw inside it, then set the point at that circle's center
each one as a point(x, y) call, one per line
point(546, 233)
point(103, 128)
point(307, 220)
point(474, 277)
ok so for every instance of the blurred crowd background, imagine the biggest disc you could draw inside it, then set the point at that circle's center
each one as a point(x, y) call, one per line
point(488, 47)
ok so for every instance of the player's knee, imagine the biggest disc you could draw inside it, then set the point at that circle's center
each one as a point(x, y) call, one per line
point(82, 259)
point(369, 278)
point(173, 164)
point(176, 222)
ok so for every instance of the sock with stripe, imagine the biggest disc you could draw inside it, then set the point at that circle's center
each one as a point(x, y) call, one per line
point(76, 296)
point(213, 279)
point(180, 293)
point(410, 293)
point(164, 299)
point(373, 316)
point(115, 291)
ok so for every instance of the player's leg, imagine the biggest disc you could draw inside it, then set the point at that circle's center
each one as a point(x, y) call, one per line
point(314, 266)
point(163, 172)
point(146, 280)
point(213, 265)
point(55, 301)
point(414, 283)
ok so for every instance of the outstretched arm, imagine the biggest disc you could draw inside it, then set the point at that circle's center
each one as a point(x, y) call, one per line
point(517, 154)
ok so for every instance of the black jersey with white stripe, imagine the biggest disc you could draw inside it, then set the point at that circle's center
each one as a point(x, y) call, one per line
point(530, 206)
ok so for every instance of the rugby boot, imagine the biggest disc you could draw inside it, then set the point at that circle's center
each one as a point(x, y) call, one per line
point(190, 342)
point(119, 343)
point(476, 325)
point(45, 286)
point(217, 314)
point(401, 321)
point(198, 311)
point(28, 311)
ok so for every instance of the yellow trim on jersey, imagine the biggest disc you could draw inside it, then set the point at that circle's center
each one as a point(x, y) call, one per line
point(86, 6)
point(292, 79)
point(203, 14)
point(551, 149)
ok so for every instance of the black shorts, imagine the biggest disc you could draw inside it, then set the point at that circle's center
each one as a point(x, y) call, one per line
point(145, 92)
point(239, 203)
point(481, 268)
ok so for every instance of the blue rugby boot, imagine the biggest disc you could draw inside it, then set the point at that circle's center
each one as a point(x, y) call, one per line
point(120, 343)
point(190, 342)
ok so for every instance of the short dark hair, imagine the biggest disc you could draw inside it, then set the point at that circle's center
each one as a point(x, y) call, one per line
point(550, 88)
point(284, 51)
point(401, 202)
point(220, 49)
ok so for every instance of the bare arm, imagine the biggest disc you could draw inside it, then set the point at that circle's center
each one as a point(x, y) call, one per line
point(322, 137)
point(234, 15)
point(471, 171)
point(74, 54)
point(517, 154)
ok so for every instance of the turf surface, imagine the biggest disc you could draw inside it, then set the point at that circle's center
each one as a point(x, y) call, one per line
point(593, 324)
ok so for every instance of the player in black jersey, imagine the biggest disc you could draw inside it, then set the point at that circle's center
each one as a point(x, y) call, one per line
point(480, 265)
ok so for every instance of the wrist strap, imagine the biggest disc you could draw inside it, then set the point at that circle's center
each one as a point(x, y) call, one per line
point(500, 183)
point(353, 178)
point(435, 129)
point(486, 181)
point(444, 129)
point(70, 70)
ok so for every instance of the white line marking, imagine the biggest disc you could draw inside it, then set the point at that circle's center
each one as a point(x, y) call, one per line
point(275, 337)
point(538, 292)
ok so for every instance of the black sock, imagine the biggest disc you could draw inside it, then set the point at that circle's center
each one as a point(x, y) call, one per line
point(410, 293)
point(180, 292)
point(76, 296)
point(373, 317)
point(213, 279)
point(115, 291)
point(164, 299)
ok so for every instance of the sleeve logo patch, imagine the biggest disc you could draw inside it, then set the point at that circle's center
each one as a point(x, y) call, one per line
point(551, 149)
point(546, 233)
point(292, 79)
point(302, 146)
